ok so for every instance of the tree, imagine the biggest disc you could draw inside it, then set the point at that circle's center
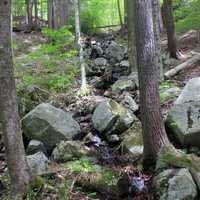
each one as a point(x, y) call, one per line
point(170, 27)
point(120, 15)
point(84, 86)
point(131, 35)
point(15, 153)
point(57, 13)
point(29, 12)
point(154, 134)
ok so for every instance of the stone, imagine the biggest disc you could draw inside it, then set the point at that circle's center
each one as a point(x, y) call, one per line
point(100, 62)
point(38, 163)
point(70, 150)
point(123, 85)
point(174, 184)
point(191, 92)
point(35, 146)
point(132, 142)
point(129, 103)
point(115, 52)
point(184, 121)
point(125, 63)
point(49, 125)
point(169, 93)
point(134, 77)
point(110, 117)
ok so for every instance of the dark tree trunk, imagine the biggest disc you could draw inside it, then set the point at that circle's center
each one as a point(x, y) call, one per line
point(154, 134)
point(29, 11)
point(131, 35)
point(170, 27)
point(17, 165)
point(50, 14)
point(36, 12)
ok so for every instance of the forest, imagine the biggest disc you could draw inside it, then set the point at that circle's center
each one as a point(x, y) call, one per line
point(99, 99)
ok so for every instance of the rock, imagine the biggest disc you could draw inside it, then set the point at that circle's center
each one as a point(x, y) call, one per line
point(113, 138)
point(115, 52)
point(191, 92)
point(184, 121)
point(70, 150)
point(110, 117)
point(174, 184)
point(38, 163)
point(35, 146)
point(125, 63)
point(123, 85)
point(132, 140)
point(169, 93)
point(129, 103)
point(134, 77)
point(100, 62)
point(49, 125)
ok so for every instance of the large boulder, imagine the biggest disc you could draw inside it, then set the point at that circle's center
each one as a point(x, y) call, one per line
point(70, 150)
point(49, 125)
point(184, 121)
point(123, 85)
point(174, 184)
point(191, 92)
point(115, 52)
point(38, 163)
point(132, 142)
point(111, 118)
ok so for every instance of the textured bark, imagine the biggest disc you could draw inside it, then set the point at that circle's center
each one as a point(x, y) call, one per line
point(36, 11)
point(170, 27)
point(154, 134)
point(18, 168)
point(50, 14)
point(157, 30)
point(131, 35)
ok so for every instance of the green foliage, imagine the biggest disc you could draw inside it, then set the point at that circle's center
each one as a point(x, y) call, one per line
point(54, 65)
point(187, 15)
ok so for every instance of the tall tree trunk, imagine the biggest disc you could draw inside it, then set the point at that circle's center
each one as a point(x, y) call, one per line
point(80, 45)
point(170, 26)
point(154, 134)
point(36, 11)
point(50, 14)
point(64, 11)
point(29, 11)
point(120, 15)
point(157, 30)
point(125, 14)
point(132, 53)
point(17, 165)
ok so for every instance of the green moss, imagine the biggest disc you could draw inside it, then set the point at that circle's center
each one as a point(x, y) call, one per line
point(107, 177)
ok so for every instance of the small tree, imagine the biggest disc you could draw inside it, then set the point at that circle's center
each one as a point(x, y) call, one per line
point(17, 165)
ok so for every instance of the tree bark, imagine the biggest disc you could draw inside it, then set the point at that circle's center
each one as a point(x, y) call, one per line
point(36, 11)
point(170, 27)
point(17, 165)
point(50, 14)
point(29, 11)
point(154, 134)
point(157, 30)
point(120, 15)
point(132, 53)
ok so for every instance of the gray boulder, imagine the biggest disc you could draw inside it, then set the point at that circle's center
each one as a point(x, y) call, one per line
point(35, 146)
point(191, 92)
point(49, 125)
point(184, 121)
point(134, 77)
point(115, 52)
point(111, 118)
point(70, 150)
point(132, 142)
point(38, 163)
point(123, 85)
point(129, 103)
point(175, 184)
point(100, 62)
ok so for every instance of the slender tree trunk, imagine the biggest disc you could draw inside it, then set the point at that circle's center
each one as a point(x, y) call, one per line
point(50, 14)
point(154, 134)
point(64, 11)
point(29, 10)
point(132, 53)
point(170, 26)
point(125, 14)
point(120, 15)
point(157, 31)
point(36, 12)
point(79, 44)
point(17, 165)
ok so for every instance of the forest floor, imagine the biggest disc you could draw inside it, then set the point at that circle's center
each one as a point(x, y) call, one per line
point(28, 59)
